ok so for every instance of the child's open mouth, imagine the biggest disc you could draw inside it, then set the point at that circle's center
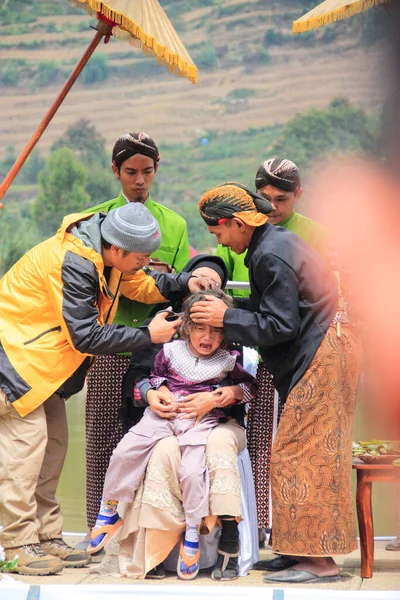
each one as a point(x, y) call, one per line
point(206, 347)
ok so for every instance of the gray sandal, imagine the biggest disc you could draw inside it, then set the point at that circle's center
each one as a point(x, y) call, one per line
point(227, 566)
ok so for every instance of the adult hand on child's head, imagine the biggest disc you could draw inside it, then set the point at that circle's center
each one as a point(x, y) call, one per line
point(161, 330)
point(209, 311)
point(161, 403)
point(201, 284)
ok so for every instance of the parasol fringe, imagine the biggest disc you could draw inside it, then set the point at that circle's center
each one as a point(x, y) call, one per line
point(140, 38)
point(344, 12)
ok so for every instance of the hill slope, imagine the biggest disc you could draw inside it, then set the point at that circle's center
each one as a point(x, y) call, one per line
point(245, 80)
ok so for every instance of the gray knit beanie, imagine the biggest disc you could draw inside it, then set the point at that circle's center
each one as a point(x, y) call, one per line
point(133, 228)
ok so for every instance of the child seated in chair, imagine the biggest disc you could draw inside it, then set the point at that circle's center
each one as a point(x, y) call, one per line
point(195, 363)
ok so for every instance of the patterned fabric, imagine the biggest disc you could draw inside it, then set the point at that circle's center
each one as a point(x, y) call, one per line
point(155, 521)
point(263, 414)
point(312, 454)
point(224, 473)
point(279, 172)
point(197, 369)
point(103, 426)
point(187, 374)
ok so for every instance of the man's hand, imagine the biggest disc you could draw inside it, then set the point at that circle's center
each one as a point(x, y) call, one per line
point(210, 311)
point(162, 403)
point(161, 330)
point(201, 284)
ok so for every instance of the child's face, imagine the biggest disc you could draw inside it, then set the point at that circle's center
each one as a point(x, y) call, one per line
point(204, 339)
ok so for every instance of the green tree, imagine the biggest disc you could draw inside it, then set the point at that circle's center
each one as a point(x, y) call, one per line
point(31, 169)
point(10, 157)
point(63, 190)
point(86, 142)
point(101, 185)
point(89, 146)
point(17, 235)
point(316, 134)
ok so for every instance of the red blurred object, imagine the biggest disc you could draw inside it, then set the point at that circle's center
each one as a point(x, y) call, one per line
point(360, 204)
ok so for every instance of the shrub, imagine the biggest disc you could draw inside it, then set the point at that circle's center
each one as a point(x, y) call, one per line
point(46, 73)
point(9, 75)
point(329, 35)
point(97, 69)
point(207, 57)
point(255, 57)
point(241, 94)
point(272, 37)
point(51, 27)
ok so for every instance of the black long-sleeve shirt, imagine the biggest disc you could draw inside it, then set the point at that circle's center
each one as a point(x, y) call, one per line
point(292, 302)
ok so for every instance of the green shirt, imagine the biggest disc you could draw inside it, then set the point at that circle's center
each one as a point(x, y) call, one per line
point(312, 232)
point(174, 250)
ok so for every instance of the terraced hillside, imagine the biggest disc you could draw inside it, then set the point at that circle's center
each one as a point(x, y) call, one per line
point(253, 72)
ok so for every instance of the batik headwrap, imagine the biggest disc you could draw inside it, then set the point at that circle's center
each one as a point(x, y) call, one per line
point(233, 200)
point(280, 173)
point(134, 143)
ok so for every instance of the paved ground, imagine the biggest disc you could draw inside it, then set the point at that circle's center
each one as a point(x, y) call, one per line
point(386, 575)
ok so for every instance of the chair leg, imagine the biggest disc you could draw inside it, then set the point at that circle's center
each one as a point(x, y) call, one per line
point(365, 525)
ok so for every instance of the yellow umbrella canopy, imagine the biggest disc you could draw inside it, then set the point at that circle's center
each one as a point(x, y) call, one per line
point(144, 24)
point(330, 11)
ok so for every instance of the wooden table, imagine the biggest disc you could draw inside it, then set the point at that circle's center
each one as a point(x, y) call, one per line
point(366, 475)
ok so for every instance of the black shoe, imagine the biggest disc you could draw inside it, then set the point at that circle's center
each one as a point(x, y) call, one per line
point(279, 563)
point(157, 573)
point(227, 566)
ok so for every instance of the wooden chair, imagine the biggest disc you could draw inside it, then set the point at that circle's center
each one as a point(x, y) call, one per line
point(366, 475)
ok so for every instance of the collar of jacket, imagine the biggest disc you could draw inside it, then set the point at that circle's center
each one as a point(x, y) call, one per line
point(122, 199)
point(74, 244)
point(255, 238)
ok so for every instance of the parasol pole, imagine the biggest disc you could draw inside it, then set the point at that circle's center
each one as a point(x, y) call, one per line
point(103, 28)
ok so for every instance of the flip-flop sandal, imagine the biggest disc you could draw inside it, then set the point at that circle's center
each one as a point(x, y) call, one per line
point(107, 531)
point(188, 562)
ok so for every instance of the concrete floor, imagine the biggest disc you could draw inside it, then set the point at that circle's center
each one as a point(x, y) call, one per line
point(386, 575)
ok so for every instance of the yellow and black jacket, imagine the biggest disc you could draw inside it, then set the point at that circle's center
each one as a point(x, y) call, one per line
point(56, 310)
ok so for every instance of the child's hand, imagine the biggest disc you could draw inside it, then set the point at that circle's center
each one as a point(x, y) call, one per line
point(196, 406)
point(160, 403)
point(227, 395)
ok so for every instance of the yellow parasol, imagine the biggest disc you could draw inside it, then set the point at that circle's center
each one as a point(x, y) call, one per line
point(142, 23)
point(330, 11)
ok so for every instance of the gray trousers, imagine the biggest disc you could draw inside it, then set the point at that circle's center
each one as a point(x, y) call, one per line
point(129, 460)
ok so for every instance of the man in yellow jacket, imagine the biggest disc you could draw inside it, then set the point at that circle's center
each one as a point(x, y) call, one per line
point(57, 304)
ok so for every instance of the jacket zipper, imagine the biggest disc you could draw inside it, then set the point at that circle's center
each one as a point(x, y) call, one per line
point(42, 334)
point(113, 298)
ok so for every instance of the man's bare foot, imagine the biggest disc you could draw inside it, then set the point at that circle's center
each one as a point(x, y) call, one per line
point(321, 566)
